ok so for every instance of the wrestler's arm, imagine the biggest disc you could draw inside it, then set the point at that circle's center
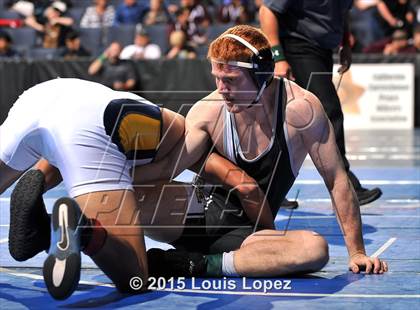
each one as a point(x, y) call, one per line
point(219, 170)
point(308, 118)
point(188, 150)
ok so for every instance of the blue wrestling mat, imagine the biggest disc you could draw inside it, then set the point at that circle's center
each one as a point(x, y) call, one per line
point(391, 229)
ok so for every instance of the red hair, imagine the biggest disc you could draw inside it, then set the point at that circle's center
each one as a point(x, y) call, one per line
point(227, 49)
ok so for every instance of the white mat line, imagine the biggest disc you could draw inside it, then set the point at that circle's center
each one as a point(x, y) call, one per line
point(275, 294)
point(302, 217)
point(388, 200)
point(364, 182)
point(403, 200)
point(38, 277)
point(366, 157)
point(384, 247)
point(249, 293)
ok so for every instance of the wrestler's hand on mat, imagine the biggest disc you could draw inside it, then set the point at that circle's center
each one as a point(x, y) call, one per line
point(283, 69)
point(361, 262)
point(344, 54)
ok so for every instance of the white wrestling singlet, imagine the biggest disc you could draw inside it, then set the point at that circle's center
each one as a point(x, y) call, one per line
point(62, 120)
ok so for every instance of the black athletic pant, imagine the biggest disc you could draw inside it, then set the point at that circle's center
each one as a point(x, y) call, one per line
point(222, 229)
point(312, 69)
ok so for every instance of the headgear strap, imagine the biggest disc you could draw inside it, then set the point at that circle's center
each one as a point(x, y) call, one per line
point(255, 65)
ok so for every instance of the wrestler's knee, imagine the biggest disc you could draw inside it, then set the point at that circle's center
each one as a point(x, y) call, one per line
point(258, 236)
point(315, 249)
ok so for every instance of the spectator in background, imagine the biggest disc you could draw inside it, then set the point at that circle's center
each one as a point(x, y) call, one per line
point(23, 7)
point(36, 8)
point(198, 14)
point(396, 44)
point(6, 50)
point(55, 27)
point(158, 13)
point(363, 5)
point(399, 44)
point(364, 22)
point(234, 11)
point(112, 71)
point(191, 30)
point(256, 10)
point(181, 20)
point(395, 14)
point(73, 48)
point(99, 15)
point(179, 47)
point(142, 48)
point(416, 38)
point(130, 12)
point(416, 9)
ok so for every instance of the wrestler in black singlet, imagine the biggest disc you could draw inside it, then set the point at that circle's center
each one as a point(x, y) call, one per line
point(271, 169)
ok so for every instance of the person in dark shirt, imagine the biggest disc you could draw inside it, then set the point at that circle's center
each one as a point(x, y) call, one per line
point(73, 48)
point(234, 11)
point(6, 51)
point(112, 71)
point(303, 35)
point(195, 35)
point(395, 14)
point(130, 12)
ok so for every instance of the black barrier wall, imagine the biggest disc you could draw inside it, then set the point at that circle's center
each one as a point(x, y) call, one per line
point(175, 84)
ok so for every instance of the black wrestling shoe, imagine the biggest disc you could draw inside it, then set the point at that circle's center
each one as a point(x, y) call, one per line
point(364, 195)
point(289, 204)
point(62, 266)
point(175, 263)
point(29, 232)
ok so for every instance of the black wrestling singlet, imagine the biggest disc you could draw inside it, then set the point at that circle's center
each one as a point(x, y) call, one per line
point(272, 168)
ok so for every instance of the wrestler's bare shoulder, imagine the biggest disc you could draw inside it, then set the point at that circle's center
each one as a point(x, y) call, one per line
point(303, 107)
point(206, 108)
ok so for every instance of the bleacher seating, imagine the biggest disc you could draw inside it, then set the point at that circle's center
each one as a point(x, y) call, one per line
point(202, 51)
point(92, 39)
point(77, 14)
point(24, 36)
point(42, 53)
point(81, 3)
point(159, 35)
point(8, 14)
point(215, 30)
point(86, 3)
point(124, 34)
